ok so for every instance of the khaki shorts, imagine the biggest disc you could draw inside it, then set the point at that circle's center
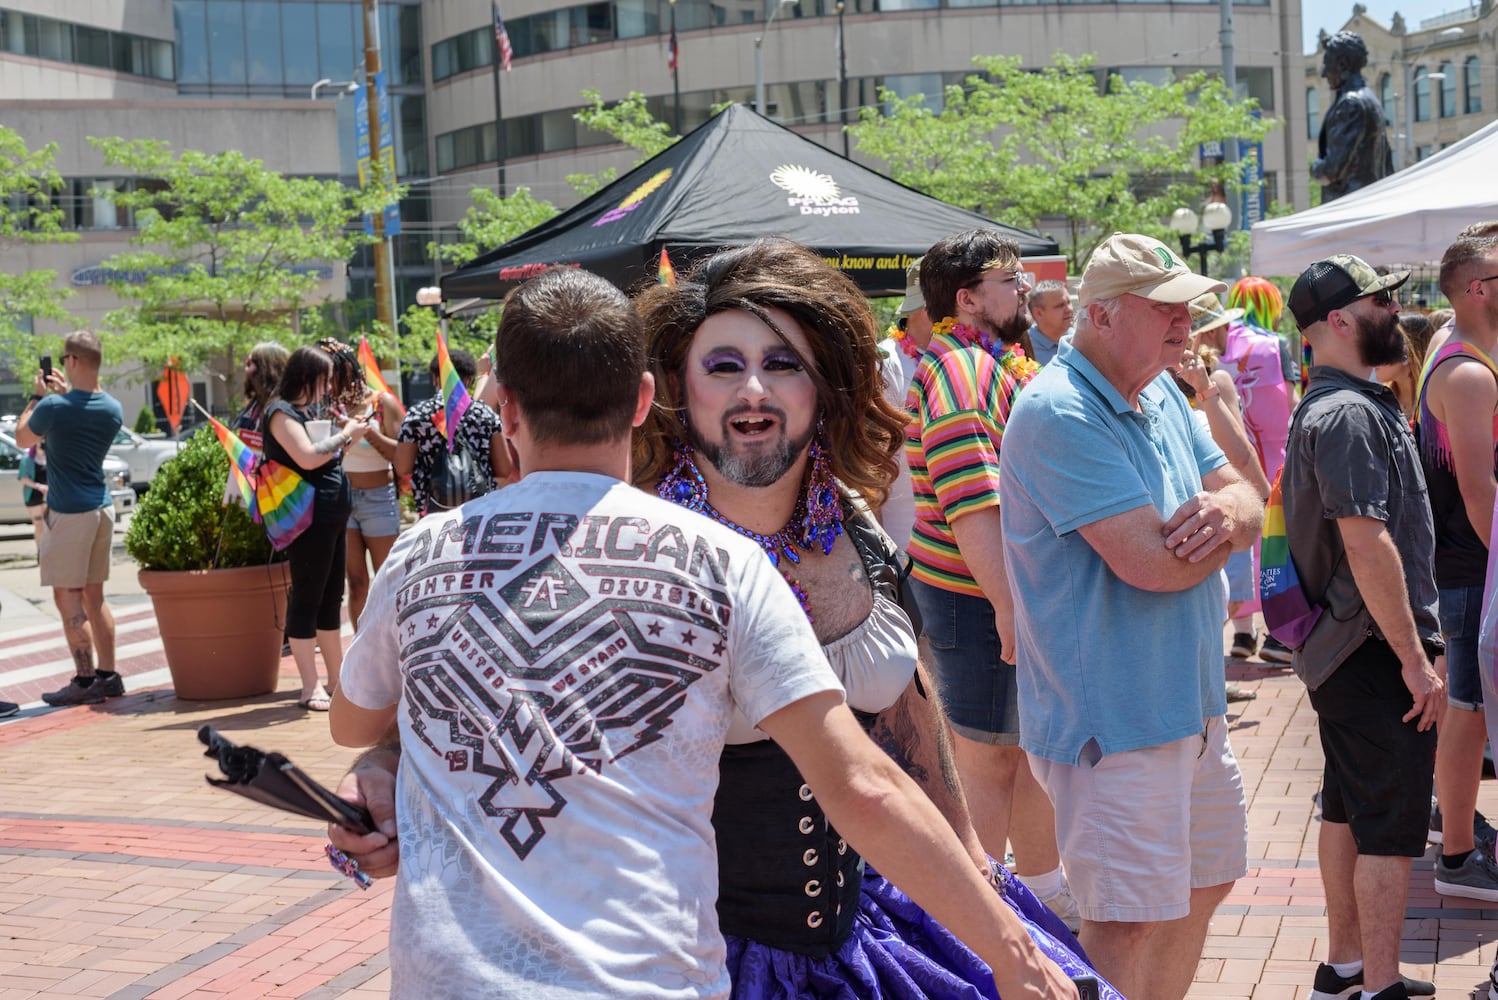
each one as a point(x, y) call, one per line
point(1138, 830)
point(75, 548)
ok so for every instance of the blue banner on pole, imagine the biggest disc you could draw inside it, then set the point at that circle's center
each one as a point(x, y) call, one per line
point(391, 212)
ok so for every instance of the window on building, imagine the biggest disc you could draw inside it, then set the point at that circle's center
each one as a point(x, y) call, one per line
point(299, 44)
point(339, 57)
point(190, 20)
point(1448, 106)
point(1472, 81)
point(1386, 96)
point(1313, 112)
point(1422, 94)
point(226, 43)
point(262, 35)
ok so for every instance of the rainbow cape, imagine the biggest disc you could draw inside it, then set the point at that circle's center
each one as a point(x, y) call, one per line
point(241, 465)
point(666, 274)
point(284, 502)
point(1288, 615)
point(456, 396)
point(372, 376)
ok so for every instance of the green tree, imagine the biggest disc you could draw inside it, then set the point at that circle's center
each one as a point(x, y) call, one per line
point(227, 251)
point(28, 215)
point(1031, 148)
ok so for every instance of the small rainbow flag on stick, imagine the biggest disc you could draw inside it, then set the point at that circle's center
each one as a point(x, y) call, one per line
point(372, 376)
point(667, 274)
point(1288, 614)
point(456, 396)
point(241, 465)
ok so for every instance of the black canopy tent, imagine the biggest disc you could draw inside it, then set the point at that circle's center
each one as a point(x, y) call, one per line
point(738, 177)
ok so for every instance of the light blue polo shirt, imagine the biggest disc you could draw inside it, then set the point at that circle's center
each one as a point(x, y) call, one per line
point(1098, 658)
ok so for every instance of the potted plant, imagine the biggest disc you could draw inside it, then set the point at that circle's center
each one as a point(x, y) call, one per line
point(218, 590)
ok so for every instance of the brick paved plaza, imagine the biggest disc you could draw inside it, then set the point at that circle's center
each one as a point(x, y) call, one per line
point(123, 874)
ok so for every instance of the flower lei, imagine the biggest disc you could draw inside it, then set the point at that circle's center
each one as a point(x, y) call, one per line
point(902, 338)
point(1012, 360)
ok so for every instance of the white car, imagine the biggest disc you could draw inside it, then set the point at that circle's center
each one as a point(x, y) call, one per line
point(144, 456)
point(13, 511)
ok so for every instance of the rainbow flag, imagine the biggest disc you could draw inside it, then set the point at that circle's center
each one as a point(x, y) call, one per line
point(667, 274)
point(284, 500)
point(1288, 615)
point(453, 391)
point(241, 465)
point(372, 376)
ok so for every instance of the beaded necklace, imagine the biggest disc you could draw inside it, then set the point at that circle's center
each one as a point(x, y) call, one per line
point(1013, 360)
point(691, 493)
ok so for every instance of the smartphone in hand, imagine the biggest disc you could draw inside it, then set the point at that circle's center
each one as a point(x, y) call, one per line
point(46, 361)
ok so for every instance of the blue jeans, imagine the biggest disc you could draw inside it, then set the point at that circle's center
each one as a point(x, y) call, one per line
point(1461, 620)
point(977, 687)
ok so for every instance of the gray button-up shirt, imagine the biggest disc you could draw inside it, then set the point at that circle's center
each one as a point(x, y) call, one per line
point(1351, 454)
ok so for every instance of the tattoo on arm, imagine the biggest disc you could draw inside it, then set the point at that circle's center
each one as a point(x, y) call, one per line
point(895, 733)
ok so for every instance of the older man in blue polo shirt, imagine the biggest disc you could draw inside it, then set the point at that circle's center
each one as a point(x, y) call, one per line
point(1119, 513)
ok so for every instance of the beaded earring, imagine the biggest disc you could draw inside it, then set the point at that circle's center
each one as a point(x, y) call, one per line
point(684, 484)
point(822, 520)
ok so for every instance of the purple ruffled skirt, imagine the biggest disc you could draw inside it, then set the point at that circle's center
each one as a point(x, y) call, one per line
point(897, 951)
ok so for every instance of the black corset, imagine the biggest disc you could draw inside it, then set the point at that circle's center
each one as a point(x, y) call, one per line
point(785, 878)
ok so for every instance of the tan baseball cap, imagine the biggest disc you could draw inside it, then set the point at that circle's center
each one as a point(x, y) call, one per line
point(913, 299)
point(1128, 263)
point(1207, 313)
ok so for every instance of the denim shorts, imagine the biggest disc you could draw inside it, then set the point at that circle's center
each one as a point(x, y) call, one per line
point(977, 687)
point(376, 512)
point(1461, 620)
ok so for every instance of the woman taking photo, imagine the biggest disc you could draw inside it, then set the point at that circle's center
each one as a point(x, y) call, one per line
point(315, 379)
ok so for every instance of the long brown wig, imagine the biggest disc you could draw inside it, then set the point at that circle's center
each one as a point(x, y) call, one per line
point(864, 433)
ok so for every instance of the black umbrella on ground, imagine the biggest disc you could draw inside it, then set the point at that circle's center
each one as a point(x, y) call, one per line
point(738, 177)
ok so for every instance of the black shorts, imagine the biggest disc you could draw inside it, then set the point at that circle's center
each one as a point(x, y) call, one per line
point(1378, 768)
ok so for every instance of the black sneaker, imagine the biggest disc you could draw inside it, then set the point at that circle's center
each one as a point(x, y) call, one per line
point(1484, 835)
point(1245, 644)
point(8, 708)
point(113, 686)
point(1274, 651)
point(1330, 986)
point(77, 694)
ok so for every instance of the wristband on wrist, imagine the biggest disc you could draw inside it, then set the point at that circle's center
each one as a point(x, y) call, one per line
point(1210, 392)
point(35, 398)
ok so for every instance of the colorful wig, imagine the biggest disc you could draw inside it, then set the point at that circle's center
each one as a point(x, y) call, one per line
point(1260, 301)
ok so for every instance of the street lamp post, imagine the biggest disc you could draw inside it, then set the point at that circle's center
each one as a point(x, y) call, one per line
point(1407, 65)
point(1216, 217)
point(759, 53)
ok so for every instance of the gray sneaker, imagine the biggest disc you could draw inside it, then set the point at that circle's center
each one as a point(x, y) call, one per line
point(1477, 878)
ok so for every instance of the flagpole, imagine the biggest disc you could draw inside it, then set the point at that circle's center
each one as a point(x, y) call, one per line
point(842, 79)
point(675, 73)
point(499, 119)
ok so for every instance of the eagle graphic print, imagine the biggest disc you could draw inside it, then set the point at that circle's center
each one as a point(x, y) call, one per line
point(552, 646)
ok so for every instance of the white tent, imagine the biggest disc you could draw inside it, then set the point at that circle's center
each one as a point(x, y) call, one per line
point(1407, 218)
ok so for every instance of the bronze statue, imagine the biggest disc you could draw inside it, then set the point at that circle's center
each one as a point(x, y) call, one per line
point(1353, 149)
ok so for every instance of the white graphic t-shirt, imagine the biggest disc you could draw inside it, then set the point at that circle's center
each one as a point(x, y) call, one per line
point(566, 654)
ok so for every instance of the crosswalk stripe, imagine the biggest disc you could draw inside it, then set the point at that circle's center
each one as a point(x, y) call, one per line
point(125, 612)
point(145, 623)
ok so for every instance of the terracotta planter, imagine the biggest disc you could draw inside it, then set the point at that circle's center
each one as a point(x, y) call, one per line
point(221, 628)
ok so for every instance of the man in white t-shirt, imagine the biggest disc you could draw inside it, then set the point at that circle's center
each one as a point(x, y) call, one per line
point(562, 658)
point(898, 356)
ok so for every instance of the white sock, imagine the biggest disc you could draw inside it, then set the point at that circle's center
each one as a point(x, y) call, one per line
point(1347, 969)
point(1244, 624)
point(1047, 885)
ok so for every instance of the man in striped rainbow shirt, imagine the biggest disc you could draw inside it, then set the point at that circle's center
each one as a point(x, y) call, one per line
point(958, 402)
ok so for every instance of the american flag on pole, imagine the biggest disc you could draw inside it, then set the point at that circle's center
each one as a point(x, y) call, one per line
point(673, 57)
point(502, 41)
